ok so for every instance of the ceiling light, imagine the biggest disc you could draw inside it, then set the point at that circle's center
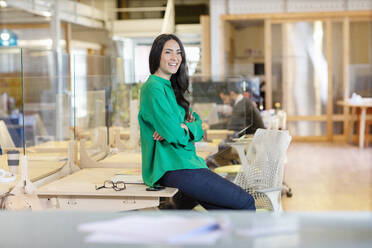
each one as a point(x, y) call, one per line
point(5, 36)
point(45, 13)
point(8, 38)
point(3, 4)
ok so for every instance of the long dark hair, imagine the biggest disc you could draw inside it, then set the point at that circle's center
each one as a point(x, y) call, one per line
point(179, 80)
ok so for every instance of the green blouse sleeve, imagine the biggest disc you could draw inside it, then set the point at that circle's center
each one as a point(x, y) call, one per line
point(195, 127)
point(158, 112)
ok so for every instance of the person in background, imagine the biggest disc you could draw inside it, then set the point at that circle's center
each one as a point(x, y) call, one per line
point(245, 119)
point(245, 114)
point(169, 128)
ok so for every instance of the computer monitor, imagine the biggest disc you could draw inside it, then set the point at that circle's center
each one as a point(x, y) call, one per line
point(259, 69)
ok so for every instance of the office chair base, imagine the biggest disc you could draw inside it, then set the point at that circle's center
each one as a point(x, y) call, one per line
point(287, 190)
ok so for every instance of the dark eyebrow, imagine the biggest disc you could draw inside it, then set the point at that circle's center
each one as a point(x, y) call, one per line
point(169, 49)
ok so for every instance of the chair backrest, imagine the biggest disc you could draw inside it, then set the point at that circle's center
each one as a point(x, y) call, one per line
point(265, 160)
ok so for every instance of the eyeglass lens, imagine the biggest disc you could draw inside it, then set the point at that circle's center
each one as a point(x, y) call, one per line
point(119, 185)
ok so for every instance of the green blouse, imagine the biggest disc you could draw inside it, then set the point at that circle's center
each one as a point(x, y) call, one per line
point(160, 112)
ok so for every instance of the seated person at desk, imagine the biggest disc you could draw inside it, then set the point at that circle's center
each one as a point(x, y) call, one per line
point(169, 129)
point(245, 119)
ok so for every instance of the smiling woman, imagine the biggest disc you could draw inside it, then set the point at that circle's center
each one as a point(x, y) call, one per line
point(169, 129)
point(170, 60)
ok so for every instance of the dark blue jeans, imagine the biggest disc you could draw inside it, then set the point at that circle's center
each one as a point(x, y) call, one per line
point(208, 189)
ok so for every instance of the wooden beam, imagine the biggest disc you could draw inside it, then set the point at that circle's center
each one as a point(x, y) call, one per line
point(102, 50)
point(67, 28)
point(299, 15)
point(141, 9)
point(338, 19)
point(285, 66)
point(122, 15)
point(309, 138)
point(268, 69)
point(306, 118)
point(231, 49)
point(335, 118)
point(226, 35)
point(205, 21)
point(25, 26)
point(329, 110)
point(345, 72)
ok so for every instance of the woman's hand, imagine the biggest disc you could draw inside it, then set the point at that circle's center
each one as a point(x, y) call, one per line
point(183, 125)
point(156, 136)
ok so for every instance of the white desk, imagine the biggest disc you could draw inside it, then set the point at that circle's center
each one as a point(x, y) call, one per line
point(321, 230)
point(77, 192)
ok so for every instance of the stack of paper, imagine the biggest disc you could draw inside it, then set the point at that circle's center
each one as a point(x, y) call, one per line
point(154, 230)
point(275, 226)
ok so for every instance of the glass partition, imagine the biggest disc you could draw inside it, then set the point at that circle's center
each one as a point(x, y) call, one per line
point(278, 64)
point(77, 96)
point(92, 81)
point(228, 104)
point(11, 118)
point(124, 100)
point(47, 100)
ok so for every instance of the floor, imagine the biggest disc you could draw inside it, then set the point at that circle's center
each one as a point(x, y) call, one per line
point(328, 177)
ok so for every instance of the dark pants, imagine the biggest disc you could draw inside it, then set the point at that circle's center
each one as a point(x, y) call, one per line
point(208, 189)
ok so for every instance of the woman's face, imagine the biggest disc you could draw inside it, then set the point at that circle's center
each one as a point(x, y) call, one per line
point(170, 59)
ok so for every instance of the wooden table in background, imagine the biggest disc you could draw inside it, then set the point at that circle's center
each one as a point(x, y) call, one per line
point(218, 133)
point(363, 105)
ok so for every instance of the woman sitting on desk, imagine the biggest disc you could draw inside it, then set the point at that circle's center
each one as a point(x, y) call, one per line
point(169, 129)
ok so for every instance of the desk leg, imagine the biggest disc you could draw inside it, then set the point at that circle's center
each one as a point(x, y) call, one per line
point(362, 127)
point(353, 117)
point(347, 124)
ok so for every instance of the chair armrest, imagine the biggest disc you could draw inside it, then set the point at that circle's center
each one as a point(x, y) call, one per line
point(269, 190)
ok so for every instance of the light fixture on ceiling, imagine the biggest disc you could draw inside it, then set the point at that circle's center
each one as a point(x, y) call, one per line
point(3, 4)
point(8, 38)
point(5, 36)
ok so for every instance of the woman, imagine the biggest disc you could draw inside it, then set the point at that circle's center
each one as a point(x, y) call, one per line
point(169, 129)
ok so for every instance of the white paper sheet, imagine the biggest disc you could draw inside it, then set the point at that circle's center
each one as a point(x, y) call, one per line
point(154, 230)
point(276, 226)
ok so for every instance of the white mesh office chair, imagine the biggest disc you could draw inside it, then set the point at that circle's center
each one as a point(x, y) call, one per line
point(262, 174)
